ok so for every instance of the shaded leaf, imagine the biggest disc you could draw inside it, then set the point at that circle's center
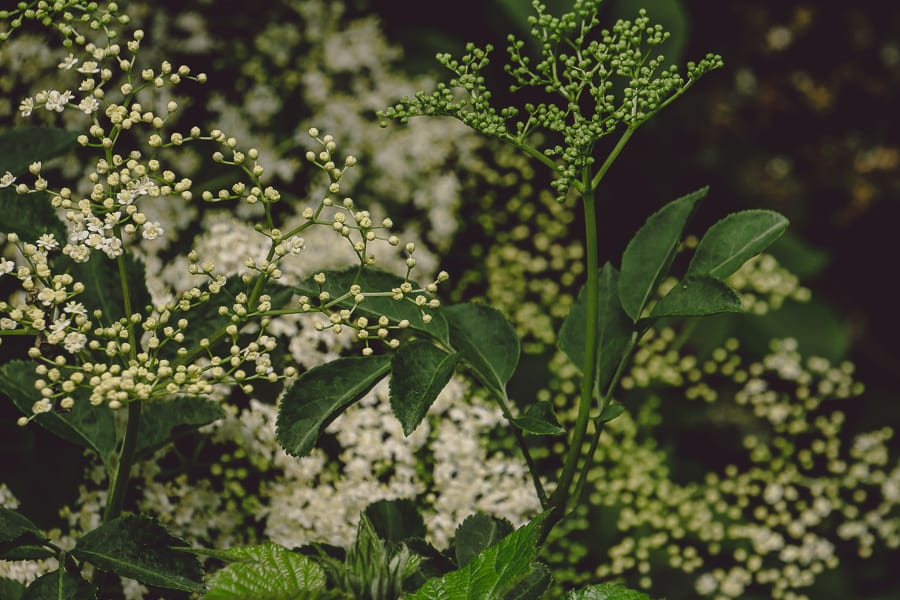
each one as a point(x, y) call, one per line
point(86, 425)
point(649, 254)
point(734, 240)
point(610, 412)
point(11, 590)
point(266, 572)
point(29, 215)
point(337, 283)
point(486, 340)
point(138, 547)
point(419, 372)
point(396, 520)
point(22, 146)
point(320, 395)
point(14, 525)
point(477, 533)
point(539, 419)
point(164, 420)
point(59, 585)
point(614, 329)
point(16, 550)
point(103, 286)
point(606, 591)
point(493, 572)
point(697, 296)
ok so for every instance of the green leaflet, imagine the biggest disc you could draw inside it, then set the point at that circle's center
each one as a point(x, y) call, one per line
point(477, 533)
point(320, 395)
point(697, 296)
point(138, 547)
point(14, 525)
point(419, 371)
point(103, 287)
point(493, 572)
point(30, 216)
point(11, 590)
point(266, 572)
point(732, 241)
point(539, 419)
point(337, 283)
point(486, 341)
point(606, 591)
point(164, 420)
point(650, 252)
point(90, 426)
point(60, 585)
point(22, 146)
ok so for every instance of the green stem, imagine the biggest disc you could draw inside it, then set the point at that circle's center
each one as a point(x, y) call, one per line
point(119, 484)
point(520, 439)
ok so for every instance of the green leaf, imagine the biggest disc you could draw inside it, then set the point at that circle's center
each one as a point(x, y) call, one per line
point(614, 329)
point(59, 585)
point(103, 287)
point(266, 572)
point(477, 533)
point(138, 547)
point(493, 572)
point(486, 341)
point(734, 240)
point(697, 296)
point(337, 284)
point(650, 252)
point(18, 551)
point(29, 215)
point(610, 412)
point(164, 420)
point(396, 520)
point(320, 395)
point(533, 585)
point(606, 591)
point(539, 419)
point(24, 145)
point(14, 525)
point(419, 371)
point(86, 425)
point(11, 590)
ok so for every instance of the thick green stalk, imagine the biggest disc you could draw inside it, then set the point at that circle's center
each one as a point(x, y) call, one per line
point(560, 496)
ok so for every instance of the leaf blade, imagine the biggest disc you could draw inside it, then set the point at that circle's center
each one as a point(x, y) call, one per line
point(486, 340)
point(650, 252)
point(320, 395)
point(266, 571)
point(697, 296)
point(735, 239)
point(419, 372)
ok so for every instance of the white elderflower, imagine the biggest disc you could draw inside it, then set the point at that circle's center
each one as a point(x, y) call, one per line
point(88, 67)
point(7, 266)
point(26, 106)
point(152, 230)
point(7, 179)
point(48, 242)
point(56, 100)
point(68, 62)
point(88, 105)
point(74, 342)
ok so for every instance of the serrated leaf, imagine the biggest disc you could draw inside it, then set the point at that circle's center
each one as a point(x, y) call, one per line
point(86, 425)
point(650, 252)
point(614, 328)
point(16, 550)
point(396, 520)
point(486, 340)
point(163, 420)
point(320, 395)
point(60, 585)
point(539, 419)
point(606, 591)
point(29, 215)
point(477, 533)
point(337, 283)
point(493, 572)
point(533, 585)
point(22, 146)
point(138, 547)
point(419, 372)
point(103, 286)
point(265, 572)
point(697, 296)
point(734, 240)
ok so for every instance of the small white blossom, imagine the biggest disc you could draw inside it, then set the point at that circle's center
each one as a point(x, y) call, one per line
point(7, 266)
point(152, 230)
point(74, 341)
point(56, 101)
point(68, 62)
point(88, 105)
point(26, 106)
point(47, 241)
point(7, 179)
point(88, 67)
